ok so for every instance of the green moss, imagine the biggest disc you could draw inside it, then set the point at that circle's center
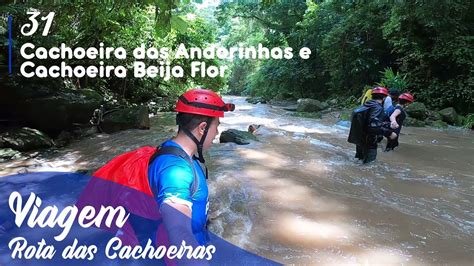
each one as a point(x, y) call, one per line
point(438, 124)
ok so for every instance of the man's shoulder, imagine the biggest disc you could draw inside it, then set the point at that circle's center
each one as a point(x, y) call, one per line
point(373, 105)
point(166, 161)
point(169, 162)
point(169, 158)
point(171, 171)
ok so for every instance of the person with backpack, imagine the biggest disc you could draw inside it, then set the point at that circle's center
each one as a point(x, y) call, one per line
point(369, 125)
point(179, 183)
point(396, 116)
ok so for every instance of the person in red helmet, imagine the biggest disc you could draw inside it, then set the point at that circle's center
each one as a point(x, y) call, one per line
point(397, 115)
point(180, 184)
point(369, 126)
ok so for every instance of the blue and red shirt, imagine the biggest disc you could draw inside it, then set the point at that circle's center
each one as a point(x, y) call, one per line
point(171, 179)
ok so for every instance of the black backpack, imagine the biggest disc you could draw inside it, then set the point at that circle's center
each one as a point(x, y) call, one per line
point(358, 131)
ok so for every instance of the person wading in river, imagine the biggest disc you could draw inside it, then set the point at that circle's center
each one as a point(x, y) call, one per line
point(397, 115)
point(179, 182)
point(368, 126)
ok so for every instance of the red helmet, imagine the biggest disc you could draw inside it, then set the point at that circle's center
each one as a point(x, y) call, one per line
point(203, 102)
point(406, 96)
point(380, 90)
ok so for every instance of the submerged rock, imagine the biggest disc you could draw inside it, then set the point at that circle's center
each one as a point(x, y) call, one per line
point(314, 115)
point(255, 100)
point(290, 108)
point(25, 139)
point(237, 136)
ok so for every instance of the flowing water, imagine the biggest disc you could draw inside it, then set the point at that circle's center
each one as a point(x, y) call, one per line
point(299, 197)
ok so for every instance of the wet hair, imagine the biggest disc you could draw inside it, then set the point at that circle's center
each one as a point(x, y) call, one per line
point(378, 96)
point(190, 121)
point(403, 101)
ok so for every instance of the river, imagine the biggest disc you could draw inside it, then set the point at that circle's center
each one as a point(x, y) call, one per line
point(298, 196)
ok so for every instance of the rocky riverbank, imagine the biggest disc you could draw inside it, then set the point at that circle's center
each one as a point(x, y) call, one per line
point(418, 114)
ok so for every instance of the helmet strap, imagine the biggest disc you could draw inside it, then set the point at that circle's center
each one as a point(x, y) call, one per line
point(199, 144)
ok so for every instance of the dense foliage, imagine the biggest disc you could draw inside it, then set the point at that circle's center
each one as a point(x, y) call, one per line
point(430, 44)
point(425, 46)
point(127, 24)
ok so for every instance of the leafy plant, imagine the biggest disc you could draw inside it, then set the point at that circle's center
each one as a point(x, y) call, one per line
point(469, 121)
point(393, 80)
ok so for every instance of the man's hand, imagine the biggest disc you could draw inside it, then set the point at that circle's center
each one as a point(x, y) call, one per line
point(393, 135)
point(394, 125)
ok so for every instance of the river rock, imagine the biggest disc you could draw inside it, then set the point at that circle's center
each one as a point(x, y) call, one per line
point(54, 114)
point(450, 116)
point(237, 136)
point(255, 100)
point(25, 139)
point(434, 116)
point(417, 110)
point(413, 122)
point(127, 118)
point(292, 108)
point(310, 105)
point(9, 154)
point(438, 124)
point(332, 102)
point(64, 138)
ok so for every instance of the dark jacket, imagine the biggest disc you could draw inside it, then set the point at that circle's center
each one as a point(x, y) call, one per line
point(376, 119)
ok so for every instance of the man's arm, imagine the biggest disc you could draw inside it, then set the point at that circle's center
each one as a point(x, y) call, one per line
point(393, 118)
point(176, 208)
point(177, 220)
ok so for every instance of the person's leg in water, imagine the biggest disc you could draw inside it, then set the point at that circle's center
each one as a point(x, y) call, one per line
point(393, 143)
point(359, 152)
point(371, 150)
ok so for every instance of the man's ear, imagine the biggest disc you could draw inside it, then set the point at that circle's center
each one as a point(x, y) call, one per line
point(202, 127)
